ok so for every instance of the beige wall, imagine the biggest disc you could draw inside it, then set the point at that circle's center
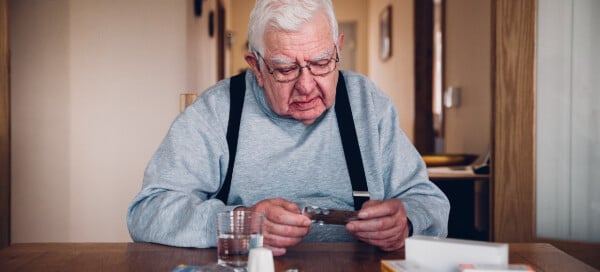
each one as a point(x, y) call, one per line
point(240, 14)
point(94, 86)
point(40, 113)
point(356, 11)
point(468, 64)
point(395, 76)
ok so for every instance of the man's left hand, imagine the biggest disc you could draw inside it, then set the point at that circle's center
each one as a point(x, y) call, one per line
point(382, 224)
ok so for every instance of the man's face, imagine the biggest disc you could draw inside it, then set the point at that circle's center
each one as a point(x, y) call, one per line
point(307, 97)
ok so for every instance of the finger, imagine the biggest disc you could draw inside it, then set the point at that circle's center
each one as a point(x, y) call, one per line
point(275, 228)
point(283, 217)
point(290, 206)
point(388, 244)
point(377, 224)
point(395, 245)
point(370, 203)
point(281, 211)
point(280, 241)
point(391, 233)
point(381, 208)
point(393, 240)
point(389, 239)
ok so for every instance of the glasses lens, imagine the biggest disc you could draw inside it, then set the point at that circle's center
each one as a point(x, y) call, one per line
point(322, 67)
point(319, 68)
point(286, 74)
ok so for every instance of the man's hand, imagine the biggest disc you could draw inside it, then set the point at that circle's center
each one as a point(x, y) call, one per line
point(382, 224)
point(284, 226)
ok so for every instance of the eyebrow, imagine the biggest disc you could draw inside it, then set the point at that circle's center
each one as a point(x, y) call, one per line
point(282, 60)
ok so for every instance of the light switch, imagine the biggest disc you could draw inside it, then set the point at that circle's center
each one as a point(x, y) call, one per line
point(452, 97)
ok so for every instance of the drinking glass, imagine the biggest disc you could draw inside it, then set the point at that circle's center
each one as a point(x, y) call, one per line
point(237, 233)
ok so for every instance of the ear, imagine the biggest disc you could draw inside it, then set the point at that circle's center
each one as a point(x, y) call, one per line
point(340, 43)
point(255, 66)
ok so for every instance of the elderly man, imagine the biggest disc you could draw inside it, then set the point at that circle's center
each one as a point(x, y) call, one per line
point(292, 131)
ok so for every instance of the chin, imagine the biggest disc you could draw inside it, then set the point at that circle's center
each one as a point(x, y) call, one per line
point(308, 122)
point(307, 119)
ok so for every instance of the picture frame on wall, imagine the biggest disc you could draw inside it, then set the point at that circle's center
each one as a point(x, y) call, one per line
point(385, 33)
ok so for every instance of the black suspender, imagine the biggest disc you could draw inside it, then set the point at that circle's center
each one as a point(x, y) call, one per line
point(347, 132)
point(360, 192)
point(237, 90)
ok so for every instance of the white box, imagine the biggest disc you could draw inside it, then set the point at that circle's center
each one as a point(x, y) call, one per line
point(445, 254)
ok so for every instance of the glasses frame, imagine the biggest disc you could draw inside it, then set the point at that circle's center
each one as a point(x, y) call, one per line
point(271, 71)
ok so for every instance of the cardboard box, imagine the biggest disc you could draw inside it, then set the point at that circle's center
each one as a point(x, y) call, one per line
point(446, 254)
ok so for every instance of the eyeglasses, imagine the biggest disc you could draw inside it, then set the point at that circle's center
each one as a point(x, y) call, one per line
point(290, 73)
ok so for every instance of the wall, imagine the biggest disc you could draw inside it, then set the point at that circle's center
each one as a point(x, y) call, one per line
point(356, 11)
point(200, 50)
point(240, 15)
point(568, 130)
point(395, 76)
point(467, 50)
point(94, 88)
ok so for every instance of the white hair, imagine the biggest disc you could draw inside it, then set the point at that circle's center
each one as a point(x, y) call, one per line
point(285, 15)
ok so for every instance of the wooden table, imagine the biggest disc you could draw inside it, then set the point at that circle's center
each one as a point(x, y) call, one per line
point(304, 257)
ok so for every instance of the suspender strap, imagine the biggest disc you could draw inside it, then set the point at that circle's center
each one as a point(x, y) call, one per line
point(360, 192)
point(237, 91)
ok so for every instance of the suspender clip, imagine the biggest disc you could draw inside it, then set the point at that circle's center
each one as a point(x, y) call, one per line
point(361, 194)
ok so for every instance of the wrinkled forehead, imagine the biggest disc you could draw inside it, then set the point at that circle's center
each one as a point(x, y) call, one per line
point(312, 41)
point(283, 59)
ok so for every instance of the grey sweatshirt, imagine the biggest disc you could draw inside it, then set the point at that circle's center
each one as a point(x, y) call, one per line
point(278, 157)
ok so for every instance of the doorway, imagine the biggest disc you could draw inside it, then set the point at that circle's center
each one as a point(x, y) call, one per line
point(428, 66)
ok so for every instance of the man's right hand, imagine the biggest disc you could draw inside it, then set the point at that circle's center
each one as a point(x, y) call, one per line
point(284, 226)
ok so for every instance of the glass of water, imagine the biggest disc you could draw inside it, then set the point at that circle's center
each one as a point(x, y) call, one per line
point(237, 233)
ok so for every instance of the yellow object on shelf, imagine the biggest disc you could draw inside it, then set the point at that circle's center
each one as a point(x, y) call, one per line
point(448, 159)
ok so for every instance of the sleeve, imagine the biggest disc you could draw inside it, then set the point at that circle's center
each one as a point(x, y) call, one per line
point(405, 178)
point(174, 205)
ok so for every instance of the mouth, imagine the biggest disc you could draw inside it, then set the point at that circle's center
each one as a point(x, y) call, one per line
point(305, 104)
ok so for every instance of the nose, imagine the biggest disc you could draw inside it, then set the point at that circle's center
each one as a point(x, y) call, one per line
point(305, 82)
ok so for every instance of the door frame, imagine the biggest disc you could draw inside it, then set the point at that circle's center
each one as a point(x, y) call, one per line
point(424, 134)
point(4, 127)
point(513, 120)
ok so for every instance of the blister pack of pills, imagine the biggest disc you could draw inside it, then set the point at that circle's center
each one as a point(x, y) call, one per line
point(320, 215)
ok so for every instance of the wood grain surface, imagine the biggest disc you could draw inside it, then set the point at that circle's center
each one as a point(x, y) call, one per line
point(513, 160)
point(304, 257)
